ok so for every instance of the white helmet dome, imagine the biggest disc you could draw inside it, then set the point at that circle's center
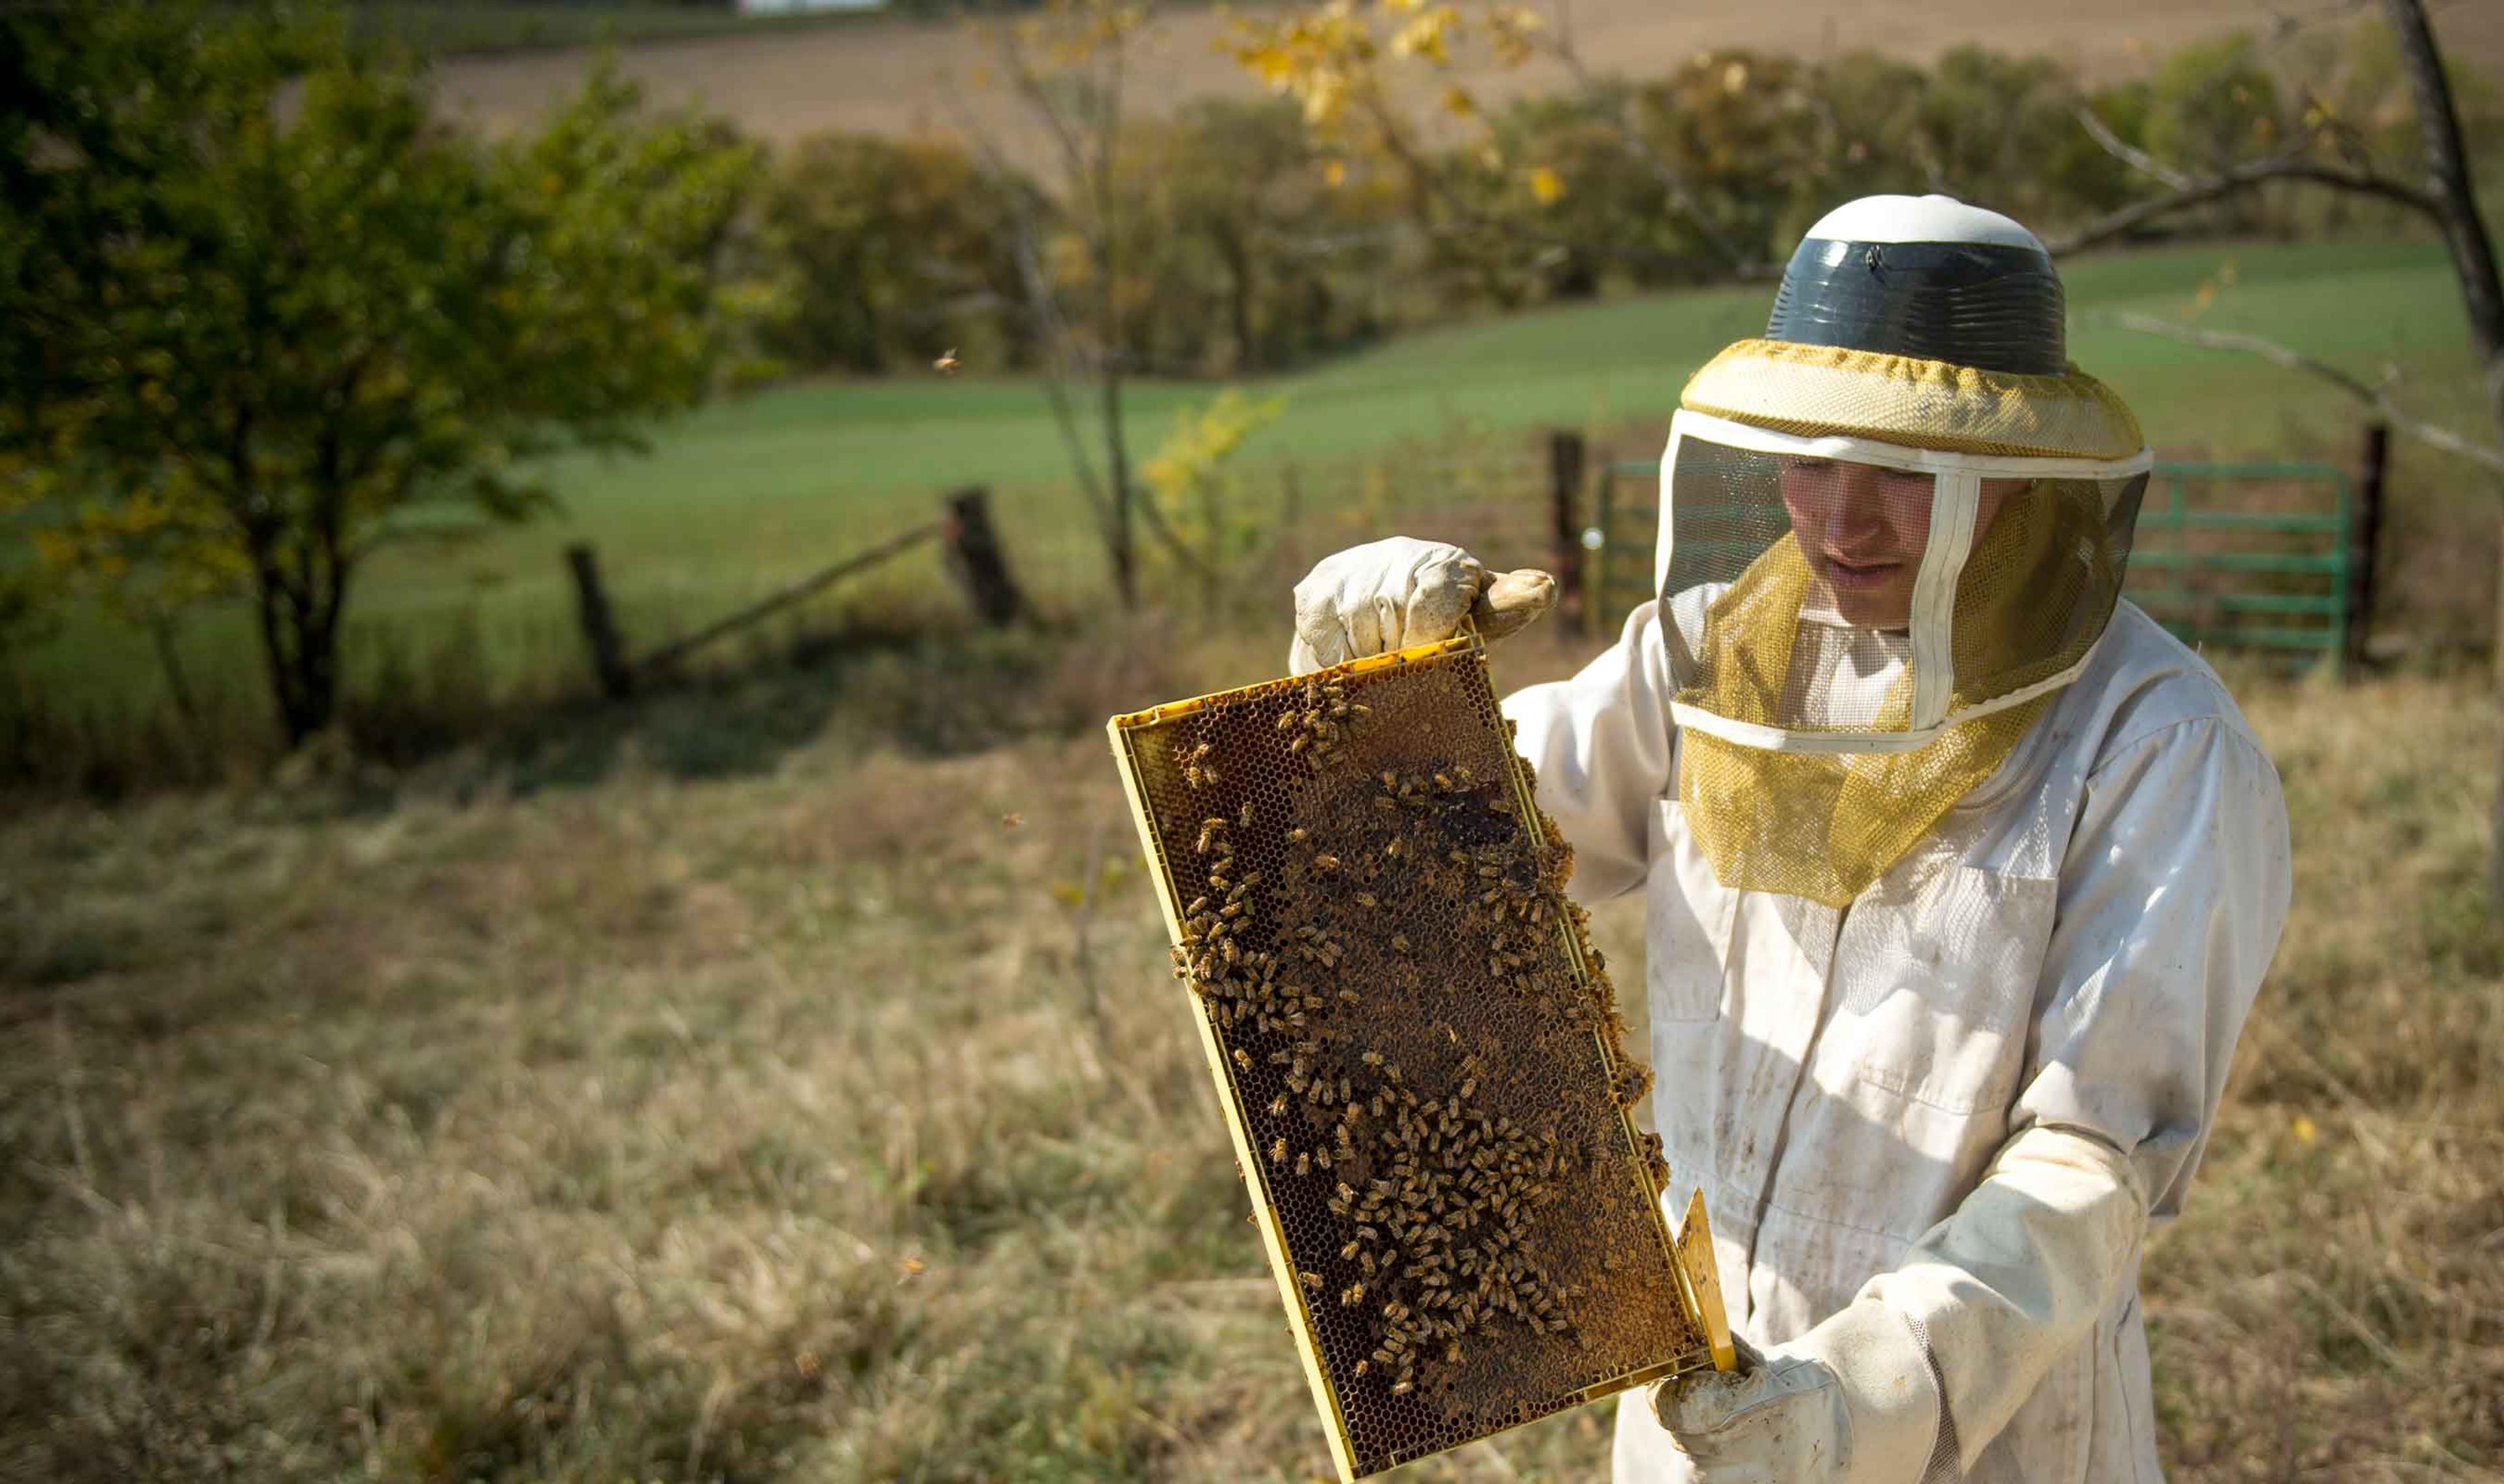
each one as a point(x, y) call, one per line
point(1928, 277)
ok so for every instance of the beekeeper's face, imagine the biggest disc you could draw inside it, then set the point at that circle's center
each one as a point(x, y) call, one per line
point(1861, 528)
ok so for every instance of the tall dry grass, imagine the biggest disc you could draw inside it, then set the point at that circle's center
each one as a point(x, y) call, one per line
point(830, 1116)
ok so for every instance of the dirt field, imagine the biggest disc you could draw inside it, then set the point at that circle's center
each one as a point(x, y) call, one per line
point(906, 75)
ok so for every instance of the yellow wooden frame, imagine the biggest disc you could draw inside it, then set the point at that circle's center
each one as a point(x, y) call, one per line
point(1689, 1253)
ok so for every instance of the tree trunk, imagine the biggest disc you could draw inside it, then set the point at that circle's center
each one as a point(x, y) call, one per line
point(2472, 263)
point(1120, 543)
point(177, 681)
point(299, 642)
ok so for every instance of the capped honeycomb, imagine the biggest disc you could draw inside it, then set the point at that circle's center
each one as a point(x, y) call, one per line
point(1419, 1056)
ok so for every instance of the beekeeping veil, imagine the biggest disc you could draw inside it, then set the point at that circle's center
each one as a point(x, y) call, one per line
point(1891, 529)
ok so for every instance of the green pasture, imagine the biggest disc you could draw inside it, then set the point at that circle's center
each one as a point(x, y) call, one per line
point(443, 27)
point(752, 493)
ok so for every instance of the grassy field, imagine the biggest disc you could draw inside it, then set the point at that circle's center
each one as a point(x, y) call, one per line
point(782, 1080)
point(749, 493)
point(457, 27)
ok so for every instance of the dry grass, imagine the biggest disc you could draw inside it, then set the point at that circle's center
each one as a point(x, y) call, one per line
point(814, 1120)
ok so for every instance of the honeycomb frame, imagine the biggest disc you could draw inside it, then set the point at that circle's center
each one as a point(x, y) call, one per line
point(1548, 1225)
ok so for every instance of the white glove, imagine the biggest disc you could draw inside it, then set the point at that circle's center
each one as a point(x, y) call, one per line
point(1398, 592)
point(1853, 1400)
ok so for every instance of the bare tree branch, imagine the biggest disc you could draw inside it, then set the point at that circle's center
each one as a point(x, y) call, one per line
point(2126, 152)
point(2375, 398)
point(2237, 179)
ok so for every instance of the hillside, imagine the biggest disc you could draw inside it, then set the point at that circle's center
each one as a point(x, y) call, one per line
point(898, 74)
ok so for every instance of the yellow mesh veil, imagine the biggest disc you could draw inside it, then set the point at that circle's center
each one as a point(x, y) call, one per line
point(1826, 826)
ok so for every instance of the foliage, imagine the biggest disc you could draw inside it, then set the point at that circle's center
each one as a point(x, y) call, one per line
point(1247, 253)
point(898, 251)
point(262, 340)
point(1192, 479)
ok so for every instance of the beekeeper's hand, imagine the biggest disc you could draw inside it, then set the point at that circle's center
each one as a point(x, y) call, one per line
point(1850, 1400)
point(1400, 591)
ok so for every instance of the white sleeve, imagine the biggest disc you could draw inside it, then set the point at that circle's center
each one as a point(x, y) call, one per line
point(1600, 744)
point(2171, 897)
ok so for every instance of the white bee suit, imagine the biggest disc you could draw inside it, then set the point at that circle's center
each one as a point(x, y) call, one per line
point(1957, 1104)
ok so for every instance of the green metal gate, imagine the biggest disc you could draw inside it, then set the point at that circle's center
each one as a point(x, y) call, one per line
point(2237, 556)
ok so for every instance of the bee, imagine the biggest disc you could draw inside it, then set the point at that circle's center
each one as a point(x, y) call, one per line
point(1326, 863)
point(1278, 1152)
point(1399, 943)
point(1245, 818)
point(947, 363)
point(1296, 835)
point(1243, 1059)
point(1403, 1387)
point(1309, 1279)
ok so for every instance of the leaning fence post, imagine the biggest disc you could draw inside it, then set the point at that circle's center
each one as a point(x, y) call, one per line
point(974, 556)
point(1565, 463)
point(599, 626)
point(2366, 544)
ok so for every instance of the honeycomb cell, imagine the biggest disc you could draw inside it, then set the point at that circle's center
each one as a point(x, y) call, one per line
point(1418, 1053)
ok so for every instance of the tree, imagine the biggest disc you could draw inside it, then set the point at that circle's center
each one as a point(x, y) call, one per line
point(1070, 66)
point(1251, 255)
point(898, 252)
point(261, 334)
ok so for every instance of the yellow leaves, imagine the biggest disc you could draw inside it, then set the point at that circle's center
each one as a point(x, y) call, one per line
point(1272, 64)
point(1734, 77)
point(1188, 477)
point(1325, 94)
point(1458, 103)
point(1335, 173)
point(1204, 440)
point(2303, 1131)
point(1547, 187)
point(1509, 30)
point(1317, 57)
point(1429, 35)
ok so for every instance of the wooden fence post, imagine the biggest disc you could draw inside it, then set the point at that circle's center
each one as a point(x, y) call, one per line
point(1565, 466)
point(974, 556)
point(599, 624)
point(2366, 544)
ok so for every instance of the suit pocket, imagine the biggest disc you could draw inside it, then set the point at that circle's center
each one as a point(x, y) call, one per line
point(1935, 979)
point(1688, 933)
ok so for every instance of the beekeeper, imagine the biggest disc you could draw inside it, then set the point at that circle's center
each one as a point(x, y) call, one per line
point(1962, 873)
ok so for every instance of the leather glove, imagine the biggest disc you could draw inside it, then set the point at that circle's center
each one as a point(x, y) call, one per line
point(1854, 1400)
point(1398, 592)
